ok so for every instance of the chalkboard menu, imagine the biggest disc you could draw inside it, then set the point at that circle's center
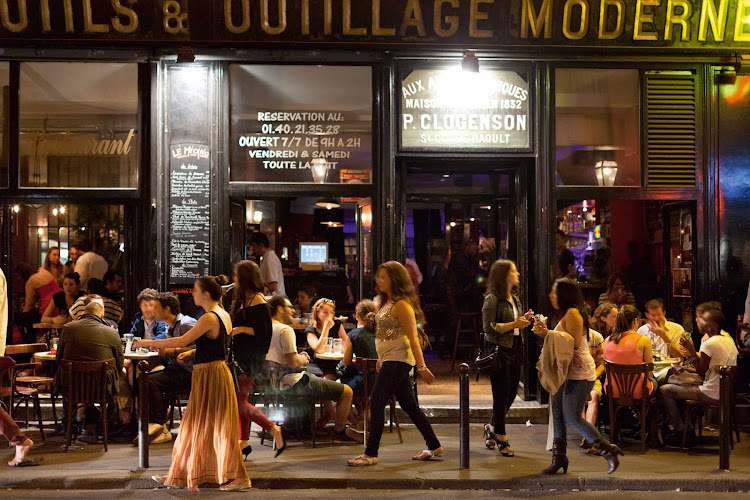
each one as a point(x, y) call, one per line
point(189, 212)
point(454, 109)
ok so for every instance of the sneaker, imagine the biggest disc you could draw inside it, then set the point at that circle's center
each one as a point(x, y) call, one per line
point(349, 435)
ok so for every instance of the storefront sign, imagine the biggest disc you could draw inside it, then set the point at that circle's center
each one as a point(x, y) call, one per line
point(454, 109)
point(679, 24)
point(280, 146)
point(189, 212)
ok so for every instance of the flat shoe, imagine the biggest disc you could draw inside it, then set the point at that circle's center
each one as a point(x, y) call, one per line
point(28, 462)
point(428, 454)
point(362, 461)
point(237, 487)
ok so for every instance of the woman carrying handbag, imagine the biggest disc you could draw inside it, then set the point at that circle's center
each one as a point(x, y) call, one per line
point(502, 325)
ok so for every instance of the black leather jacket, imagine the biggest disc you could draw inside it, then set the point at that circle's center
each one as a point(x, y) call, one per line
point(498, 311)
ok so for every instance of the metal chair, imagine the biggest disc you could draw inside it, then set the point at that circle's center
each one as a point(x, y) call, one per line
point(34, 380)
point(9, 390)
point(86, 385)
point(622, 382)
point(366, 366)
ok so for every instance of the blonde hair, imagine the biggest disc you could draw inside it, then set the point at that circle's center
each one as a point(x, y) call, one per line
point(317, 306)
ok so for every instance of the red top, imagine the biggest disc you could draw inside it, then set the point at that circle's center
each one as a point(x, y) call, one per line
point(625, 353)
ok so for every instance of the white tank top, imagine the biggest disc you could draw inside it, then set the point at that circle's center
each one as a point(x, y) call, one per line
point(583, 366)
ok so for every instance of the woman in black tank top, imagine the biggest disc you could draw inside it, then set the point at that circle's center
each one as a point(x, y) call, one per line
point(206, 449)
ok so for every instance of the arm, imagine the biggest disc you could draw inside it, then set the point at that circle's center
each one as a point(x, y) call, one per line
point(47, 316)
point(644, 345)
point(318, 344)
point(207, 323)
point(404, 313)
point(272, 286)
point(348, 351)
point(294, 360)
point(599, 359)
point(30, 296)
point(248, 330)
point(347, 342)
point(160, 331)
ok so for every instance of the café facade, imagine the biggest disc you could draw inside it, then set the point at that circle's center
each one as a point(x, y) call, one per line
point(351, 133)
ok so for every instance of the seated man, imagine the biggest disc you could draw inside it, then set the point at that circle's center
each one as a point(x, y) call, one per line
point(665, 336)
point(89, 338)
point(145, 325)
point(283, 361)
point(178, 368)
point(113, 286)
point(718, 350)
point(112, 311)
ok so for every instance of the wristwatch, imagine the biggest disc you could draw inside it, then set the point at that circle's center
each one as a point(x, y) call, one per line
point(421, 368)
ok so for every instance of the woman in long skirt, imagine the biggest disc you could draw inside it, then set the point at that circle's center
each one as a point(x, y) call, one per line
point(207, 449)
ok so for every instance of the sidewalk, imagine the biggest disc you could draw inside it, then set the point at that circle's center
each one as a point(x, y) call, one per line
point(88, 467)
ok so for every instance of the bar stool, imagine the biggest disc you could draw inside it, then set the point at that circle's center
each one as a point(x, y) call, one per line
point(474, 318)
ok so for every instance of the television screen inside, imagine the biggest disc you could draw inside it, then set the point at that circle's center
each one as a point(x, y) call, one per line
point(313, 253)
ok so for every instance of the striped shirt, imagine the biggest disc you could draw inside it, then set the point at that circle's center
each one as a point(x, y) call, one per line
point(112, 311)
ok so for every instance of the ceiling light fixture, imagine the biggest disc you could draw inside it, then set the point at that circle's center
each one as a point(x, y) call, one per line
point(328, 203)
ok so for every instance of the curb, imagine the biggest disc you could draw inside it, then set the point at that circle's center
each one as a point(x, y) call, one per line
point(142, 481)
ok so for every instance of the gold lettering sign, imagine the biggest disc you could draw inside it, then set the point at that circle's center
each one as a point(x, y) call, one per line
point(412, 18)
point(229, 25)
point(327, 17)
point(347, 28)
point(742, 20)
point(683, 19)
point(265, 23)
point(530, 19)
point(451, 21)
point(89, 26)
point(474, 16)
point(44, 7)
point(128, 12)
point(305, 13)
point(620, 16)
point(23, 17)
point(642, 17)
point(378, 30)
point(583, 27)
point(68, 9)
point(718, 21)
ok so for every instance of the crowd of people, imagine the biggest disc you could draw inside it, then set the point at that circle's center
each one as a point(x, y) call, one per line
point(572, 364)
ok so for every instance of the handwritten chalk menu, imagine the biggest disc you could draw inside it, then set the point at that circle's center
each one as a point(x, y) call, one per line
point(454, 109)
point(189, 212)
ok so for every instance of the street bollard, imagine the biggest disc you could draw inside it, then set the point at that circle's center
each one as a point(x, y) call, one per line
point(463, 391)
point(143, 415)
point(725, 418)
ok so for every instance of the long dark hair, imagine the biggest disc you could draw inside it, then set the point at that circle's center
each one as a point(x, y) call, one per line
point(249, 283)
point(210, 285)
point(602, 311)
point(569, 296)
point(625, 318)
point(497, 282)
point(402, 288)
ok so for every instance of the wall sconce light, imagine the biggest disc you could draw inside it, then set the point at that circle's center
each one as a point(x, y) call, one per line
point(62, 210)
point(257, 216)
point(470, 62)
point(328, 203)
point(332, 224)
point(606, 172)
point(319, 168)
point(16, 208)
point(252, 214)
point(185, 54)
point(54, 212)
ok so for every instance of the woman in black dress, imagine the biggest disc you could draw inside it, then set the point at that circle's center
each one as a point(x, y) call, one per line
point(252, 330)
point(62, 301)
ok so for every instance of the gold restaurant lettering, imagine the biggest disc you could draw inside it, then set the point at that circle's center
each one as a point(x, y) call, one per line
point(72, 146)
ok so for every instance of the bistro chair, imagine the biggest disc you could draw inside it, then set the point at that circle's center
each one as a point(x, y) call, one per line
point(743, 351)
point(86, 386)
point(622, 382)
point(33, 379)
point(12, 392)
point(468, 325)
point(365, 367)
point(697, 409)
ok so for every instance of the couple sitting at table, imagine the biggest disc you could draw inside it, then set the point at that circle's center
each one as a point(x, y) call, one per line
point(285, 370)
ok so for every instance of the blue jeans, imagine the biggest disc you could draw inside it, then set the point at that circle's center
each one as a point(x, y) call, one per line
point(567, 407)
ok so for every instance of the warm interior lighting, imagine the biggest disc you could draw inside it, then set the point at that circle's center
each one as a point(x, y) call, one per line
point(16, 208)
point(606, 172)
point(452, 224)
point(331, 223)
point(328, 203)
point(470, 62)
point(54, 212)
point(62, 210)
point(319, 168)
point(185, 55)
point(257, 216)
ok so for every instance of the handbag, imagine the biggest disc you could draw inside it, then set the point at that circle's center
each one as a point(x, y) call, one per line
point(488, 361)
point(234, 367)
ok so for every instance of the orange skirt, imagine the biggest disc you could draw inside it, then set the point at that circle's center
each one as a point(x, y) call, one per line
point(207, 449)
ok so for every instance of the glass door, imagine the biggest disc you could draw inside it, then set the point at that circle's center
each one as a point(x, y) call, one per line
point(679, 250)
point(364, 248)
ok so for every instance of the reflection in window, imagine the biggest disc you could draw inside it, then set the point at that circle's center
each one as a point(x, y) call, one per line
point(457, 183)
point(3, 110)
point(303, 124)
point(79, 125)
point(597, 127)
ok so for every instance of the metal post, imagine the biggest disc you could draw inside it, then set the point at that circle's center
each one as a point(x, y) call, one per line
point(143, 415)
point(463, 391)
point(725, 419)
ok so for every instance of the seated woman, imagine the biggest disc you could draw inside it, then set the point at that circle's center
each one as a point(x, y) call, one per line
point(306, 297)
point(626, 347)
point(361, 344)
point(617, 292)
point(39, 288)
point(63, 301)
point(596, 348)
point(324, 327)
point(605, 319)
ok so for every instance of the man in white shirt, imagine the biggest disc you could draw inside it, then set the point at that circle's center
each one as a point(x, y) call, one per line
point(665, 336)
point(283, 361)
point(270, 265)
point(718, 350)
point(90, 264)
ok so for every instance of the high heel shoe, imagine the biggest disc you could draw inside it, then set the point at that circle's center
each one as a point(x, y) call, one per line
point(609, 452)
point(246, 451)
point(489, 437)
point(279, 451)
point(559, 457)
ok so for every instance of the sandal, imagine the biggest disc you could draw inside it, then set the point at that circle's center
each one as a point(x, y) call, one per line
point(504, 449)
point(428, 454)
point(489, 437)
point(362, 461)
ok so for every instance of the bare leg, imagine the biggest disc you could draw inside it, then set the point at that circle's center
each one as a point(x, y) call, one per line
point(343, 407)
point(21, 451)
point(592, 411)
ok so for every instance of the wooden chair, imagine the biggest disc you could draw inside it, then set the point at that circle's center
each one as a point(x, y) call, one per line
point(697, 409)
point(623, 380)
point(86, 383)
point(11, 391)
point(474, 320)
point(741, 325)
point(366, 366)
point(34, 380)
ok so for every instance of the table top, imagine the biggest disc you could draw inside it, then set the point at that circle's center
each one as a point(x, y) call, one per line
point(668, 362)
point(46, 356)
point(330, 356)
point(55, 326)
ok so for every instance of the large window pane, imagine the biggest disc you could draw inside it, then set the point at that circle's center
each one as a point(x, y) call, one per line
point(597, 127)
point(79, 125)
point(301, 124)
point(3, 132)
